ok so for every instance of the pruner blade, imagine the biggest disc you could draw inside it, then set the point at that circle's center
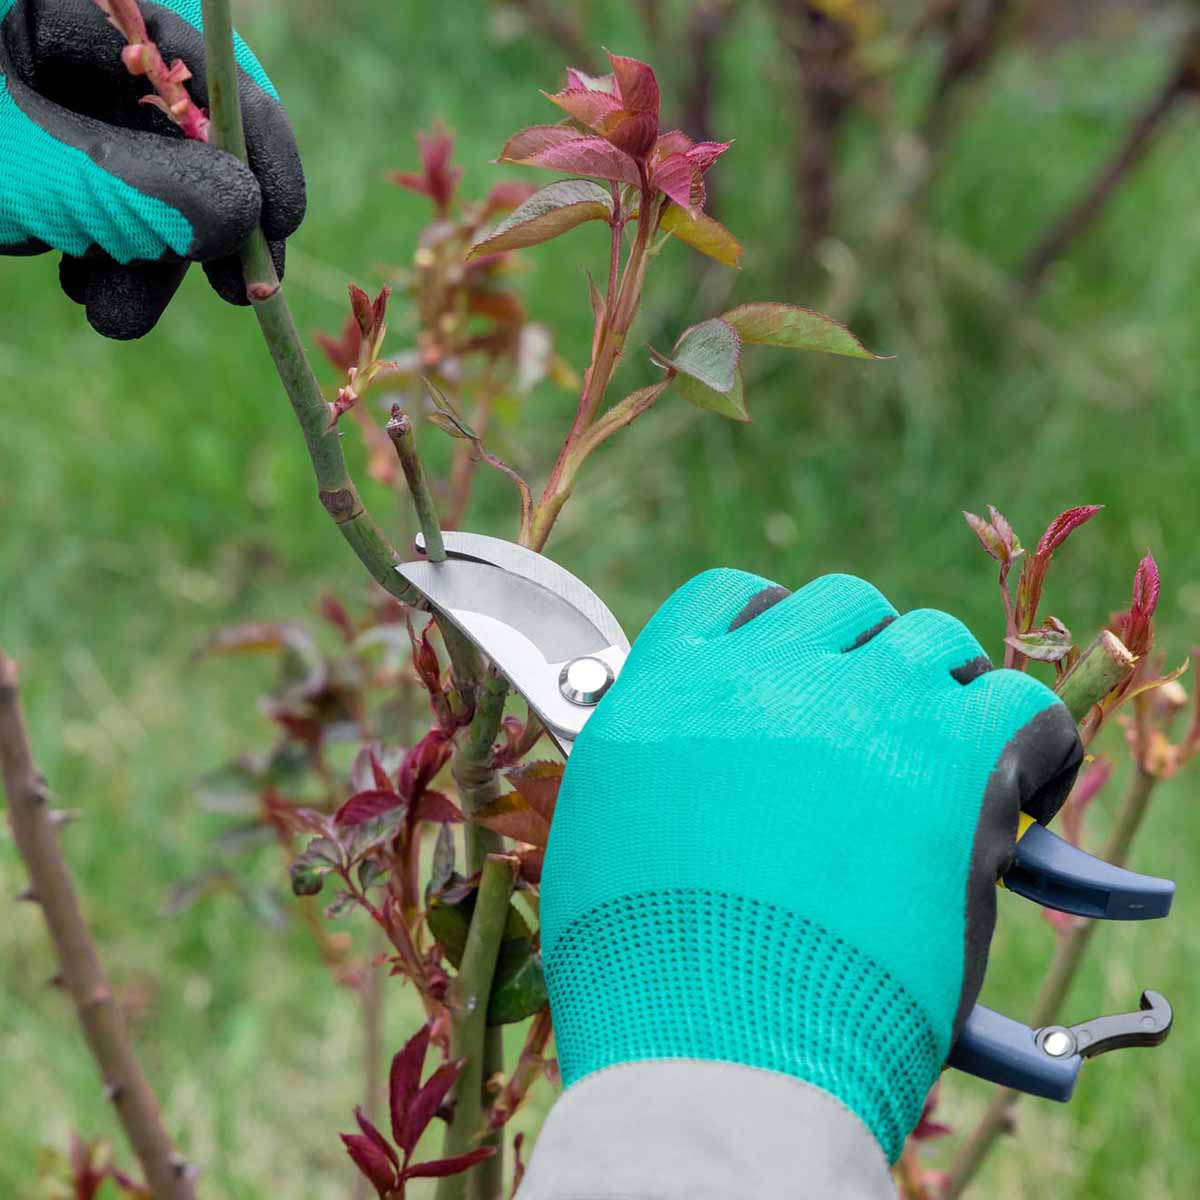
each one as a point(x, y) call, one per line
point(551, 636)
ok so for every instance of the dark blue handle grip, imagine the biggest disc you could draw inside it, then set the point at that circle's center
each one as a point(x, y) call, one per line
point(1058, 875)
point(1004, 1051)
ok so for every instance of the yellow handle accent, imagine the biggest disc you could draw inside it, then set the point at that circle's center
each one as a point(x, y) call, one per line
point(1023, 823)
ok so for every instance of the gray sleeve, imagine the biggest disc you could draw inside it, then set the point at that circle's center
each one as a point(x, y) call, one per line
point(683, 1129)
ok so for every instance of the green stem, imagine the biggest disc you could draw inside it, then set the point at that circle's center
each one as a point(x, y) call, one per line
point(1099, 669)
point(1056, 983)
point(336, 488)
point(472, 760)
point(477, 785)
point(400, 430)
point(468, 1016)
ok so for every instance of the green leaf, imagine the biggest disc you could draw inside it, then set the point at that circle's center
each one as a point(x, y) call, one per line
point(1046, 644)
point(547, 213)
point(449, 923)
point(702, 233)
point(708, 353)
point(308, 872)
point(518, 990)
point(446, 416)
point(731, 404)
point(794, 328)
point(705, 366)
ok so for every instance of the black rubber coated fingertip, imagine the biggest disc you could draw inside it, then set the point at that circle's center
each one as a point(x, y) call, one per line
point(867, 634)
point(227, 279)
point(1054, 773)
point(972, 669)
point(758, 604)
point(121, 301)
point(275, 161)
point(225, 275)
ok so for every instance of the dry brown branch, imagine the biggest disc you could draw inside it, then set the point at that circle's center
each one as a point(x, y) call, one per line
point(51, 886)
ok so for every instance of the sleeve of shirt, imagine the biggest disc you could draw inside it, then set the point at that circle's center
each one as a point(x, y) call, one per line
point(683, 1129)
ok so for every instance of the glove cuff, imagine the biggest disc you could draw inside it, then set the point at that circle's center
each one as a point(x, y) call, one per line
point(694, 974)
point(690, 1130)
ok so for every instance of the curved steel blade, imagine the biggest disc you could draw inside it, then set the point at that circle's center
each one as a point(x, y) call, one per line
point(530, 616)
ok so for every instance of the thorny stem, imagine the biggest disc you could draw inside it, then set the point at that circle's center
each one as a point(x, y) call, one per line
point(613, 329)
point(477, 785)
point(340, 498)
point(468, 1014)
point(400, 430)
point(486, 690)
point(336, 488)
point(52, 888)
point(1056, 983)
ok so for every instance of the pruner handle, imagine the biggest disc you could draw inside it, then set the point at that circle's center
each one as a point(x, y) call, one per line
point(1046, 1062)
point(1056, 874)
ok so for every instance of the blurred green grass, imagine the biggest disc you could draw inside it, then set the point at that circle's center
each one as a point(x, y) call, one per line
point(151, 492)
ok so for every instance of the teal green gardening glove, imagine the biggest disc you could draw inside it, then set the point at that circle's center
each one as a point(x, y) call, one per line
point(112, 183)
point(778, 840)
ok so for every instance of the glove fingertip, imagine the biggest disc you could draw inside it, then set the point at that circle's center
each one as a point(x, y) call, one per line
point(122, 302)
point(275, 161)
point(229, 281)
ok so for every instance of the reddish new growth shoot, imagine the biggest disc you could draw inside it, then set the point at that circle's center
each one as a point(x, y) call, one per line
point(412, 1106)
point(622, 111)
point(436, 179)
point(362, 342)
point(141, 57)
point(653, 181)
point(1135, 627)
point(1050, 642)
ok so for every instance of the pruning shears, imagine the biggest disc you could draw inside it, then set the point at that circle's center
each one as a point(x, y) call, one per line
point(559, 646)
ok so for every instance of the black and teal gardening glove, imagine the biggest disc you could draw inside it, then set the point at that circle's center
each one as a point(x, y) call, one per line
point(113, 184)
point(770, 884)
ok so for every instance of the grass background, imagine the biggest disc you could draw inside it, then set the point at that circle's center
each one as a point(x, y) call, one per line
point(152, 492)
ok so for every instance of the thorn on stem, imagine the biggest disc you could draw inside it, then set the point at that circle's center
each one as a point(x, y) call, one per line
point(27, 896)
point(56, 980)
point(60, 818)
point(113, 1092)
point(258, 292)
point(99, 996)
